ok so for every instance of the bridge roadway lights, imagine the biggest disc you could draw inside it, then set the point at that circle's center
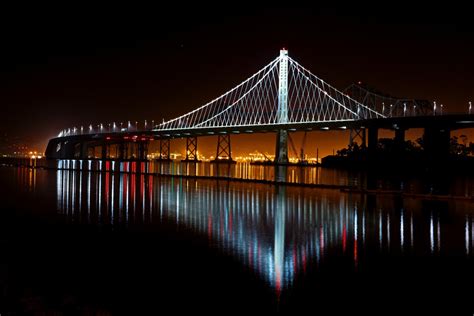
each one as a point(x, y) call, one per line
point(223, 152)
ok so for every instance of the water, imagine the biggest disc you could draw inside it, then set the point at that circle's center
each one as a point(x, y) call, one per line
point(439, 182)
point(130, 243)
point(241, 171)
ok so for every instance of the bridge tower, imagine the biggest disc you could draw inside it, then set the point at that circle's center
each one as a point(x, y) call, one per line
point(281, 152)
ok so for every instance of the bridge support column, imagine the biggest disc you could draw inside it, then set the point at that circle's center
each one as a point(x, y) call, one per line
point(223, 152)
point(109, 148)
point(399, 139)
point(121, 151)
point(281, 148)
point(67, 150)
point(165, 145)
point(436, 143)
point(357, 134)
point(135, 152)
point(103, 148)
point(281, 152)
point(84, 151)
point(77, 150)
point(90, 151)
point(373, 139)
point(128, 149)
point(191, 149)
point(400, 135)
point(142, 148)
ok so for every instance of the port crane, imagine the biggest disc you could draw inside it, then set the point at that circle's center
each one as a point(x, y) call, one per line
point(301, 157)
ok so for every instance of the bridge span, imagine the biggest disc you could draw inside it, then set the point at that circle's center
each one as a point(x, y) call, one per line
point(134, 144)
point(281, 98)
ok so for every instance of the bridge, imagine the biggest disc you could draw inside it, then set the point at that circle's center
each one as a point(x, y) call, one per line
point(281, 97)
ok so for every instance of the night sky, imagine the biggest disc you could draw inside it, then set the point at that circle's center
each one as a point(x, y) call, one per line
point(70, 66)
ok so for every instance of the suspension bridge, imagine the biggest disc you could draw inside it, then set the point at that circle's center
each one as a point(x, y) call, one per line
point(281, 97)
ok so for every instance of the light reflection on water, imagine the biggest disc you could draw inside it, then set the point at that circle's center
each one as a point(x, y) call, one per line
point(246, 171)
point(276, 231)
point(442, 183)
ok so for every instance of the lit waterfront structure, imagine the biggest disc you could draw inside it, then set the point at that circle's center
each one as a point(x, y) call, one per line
point(280, 98)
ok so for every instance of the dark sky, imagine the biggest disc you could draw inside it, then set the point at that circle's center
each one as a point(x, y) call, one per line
point(66, 66)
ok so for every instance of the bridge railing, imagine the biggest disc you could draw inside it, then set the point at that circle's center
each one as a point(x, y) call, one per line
point(108, 128)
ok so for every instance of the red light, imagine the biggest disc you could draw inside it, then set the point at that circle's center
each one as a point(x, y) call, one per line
point(108, 138)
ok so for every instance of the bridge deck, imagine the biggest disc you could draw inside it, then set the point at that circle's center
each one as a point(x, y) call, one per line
point(450, 122)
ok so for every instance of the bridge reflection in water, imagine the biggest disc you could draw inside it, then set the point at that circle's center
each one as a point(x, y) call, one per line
point(276, 231)
point(241, 170)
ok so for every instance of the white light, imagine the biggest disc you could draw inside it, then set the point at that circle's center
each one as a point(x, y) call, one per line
point(467, 235)
point(431, 233)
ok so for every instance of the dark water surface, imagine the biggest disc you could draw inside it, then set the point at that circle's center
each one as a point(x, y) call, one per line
point(126, 243)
